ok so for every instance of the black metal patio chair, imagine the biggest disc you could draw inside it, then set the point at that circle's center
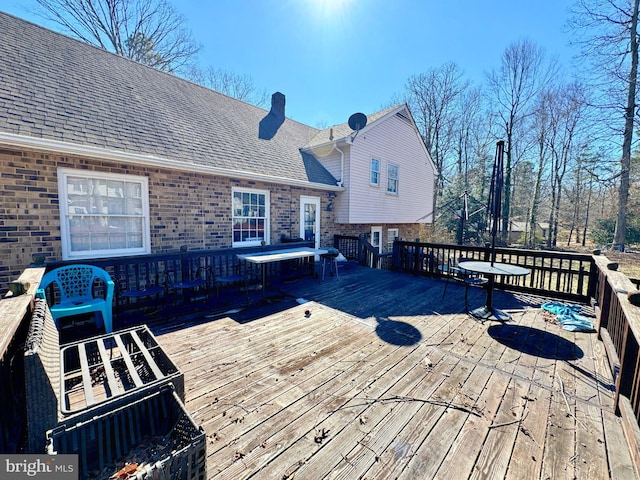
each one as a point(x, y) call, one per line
point(468, 278)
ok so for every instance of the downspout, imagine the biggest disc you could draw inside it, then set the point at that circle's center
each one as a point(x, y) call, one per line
point(341, 181)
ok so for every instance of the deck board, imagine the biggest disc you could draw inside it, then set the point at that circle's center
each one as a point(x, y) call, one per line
point(385, 378)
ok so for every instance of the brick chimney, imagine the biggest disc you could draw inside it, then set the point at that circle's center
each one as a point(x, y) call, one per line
point(277, 104)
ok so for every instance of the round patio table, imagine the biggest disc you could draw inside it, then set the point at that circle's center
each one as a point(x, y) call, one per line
point(491, 269)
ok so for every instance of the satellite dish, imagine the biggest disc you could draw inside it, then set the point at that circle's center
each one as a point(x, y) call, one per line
point(357, 121)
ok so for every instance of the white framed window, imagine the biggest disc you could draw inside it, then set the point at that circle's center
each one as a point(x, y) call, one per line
point(103, 214)
point(392, 234)
point(250, 217)
point(374, 175)
point(392, 179)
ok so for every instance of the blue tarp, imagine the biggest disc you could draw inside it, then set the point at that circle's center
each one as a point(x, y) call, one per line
point(569, 316)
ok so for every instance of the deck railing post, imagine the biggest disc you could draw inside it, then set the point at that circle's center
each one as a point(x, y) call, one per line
point(395, 253)
point(361, 252)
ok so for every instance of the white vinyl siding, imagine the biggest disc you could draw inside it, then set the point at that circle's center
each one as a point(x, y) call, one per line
point(250, 212)
point(103, 214)
point(392, 140)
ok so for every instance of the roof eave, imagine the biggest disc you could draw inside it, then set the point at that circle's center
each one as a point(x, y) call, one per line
point(344, 140)
point(64, 148)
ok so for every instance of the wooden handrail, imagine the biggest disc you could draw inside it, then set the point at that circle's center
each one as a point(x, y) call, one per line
point(618, 325)
point(15, 313)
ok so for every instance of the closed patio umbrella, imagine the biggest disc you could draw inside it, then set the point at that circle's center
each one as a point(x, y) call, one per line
point(494, 206)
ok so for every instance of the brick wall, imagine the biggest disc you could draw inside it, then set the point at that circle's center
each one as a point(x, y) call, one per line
point(185, 208)
point(28, 211)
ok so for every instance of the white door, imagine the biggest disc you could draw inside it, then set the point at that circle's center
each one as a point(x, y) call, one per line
point(376, 242)
point(376, 238)
point(310, 219)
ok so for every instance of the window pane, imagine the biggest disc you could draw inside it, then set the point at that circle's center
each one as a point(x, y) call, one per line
point(134, 206)
point(113, 206)
point(77, 186)
point(375, 239)
point(237, 204)
point(133, 190)
point(99, 241)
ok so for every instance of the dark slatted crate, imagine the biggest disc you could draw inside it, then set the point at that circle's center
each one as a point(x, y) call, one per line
point(154, 435)
point(120, 364)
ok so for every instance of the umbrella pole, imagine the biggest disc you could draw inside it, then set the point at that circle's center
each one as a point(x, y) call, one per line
point(497, 182)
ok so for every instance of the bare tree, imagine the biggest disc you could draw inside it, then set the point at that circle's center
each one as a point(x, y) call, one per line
point(234, 85)
point(467, 127)
point(432, 97)
point(581, 195)
point(611, 46)
point(515, 84)
point(541, 131)
point(148, 31)
point(566, 115)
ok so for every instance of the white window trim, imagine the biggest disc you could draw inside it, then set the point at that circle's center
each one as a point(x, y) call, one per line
point(371, 171)
point(63, 204)
point(267, 218)
point(397, 179)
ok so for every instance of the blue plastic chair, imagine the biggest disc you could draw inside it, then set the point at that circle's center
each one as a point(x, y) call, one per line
point(75, 285)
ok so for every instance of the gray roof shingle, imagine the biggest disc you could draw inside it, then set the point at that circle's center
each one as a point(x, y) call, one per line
point(55, 87)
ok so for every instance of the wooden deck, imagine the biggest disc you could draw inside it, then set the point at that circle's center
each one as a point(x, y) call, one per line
point(378, 377)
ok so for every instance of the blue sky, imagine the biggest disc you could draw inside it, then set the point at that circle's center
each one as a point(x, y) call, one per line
point(332, 58)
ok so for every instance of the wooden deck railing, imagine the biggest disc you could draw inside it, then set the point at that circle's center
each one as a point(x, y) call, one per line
point(567, 276)
point(361, 250)
point(350, 246)
point(165, 269)
point(618, 325)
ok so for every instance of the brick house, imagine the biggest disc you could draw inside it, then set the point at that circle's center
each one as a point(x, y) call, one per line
point(101, 156)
